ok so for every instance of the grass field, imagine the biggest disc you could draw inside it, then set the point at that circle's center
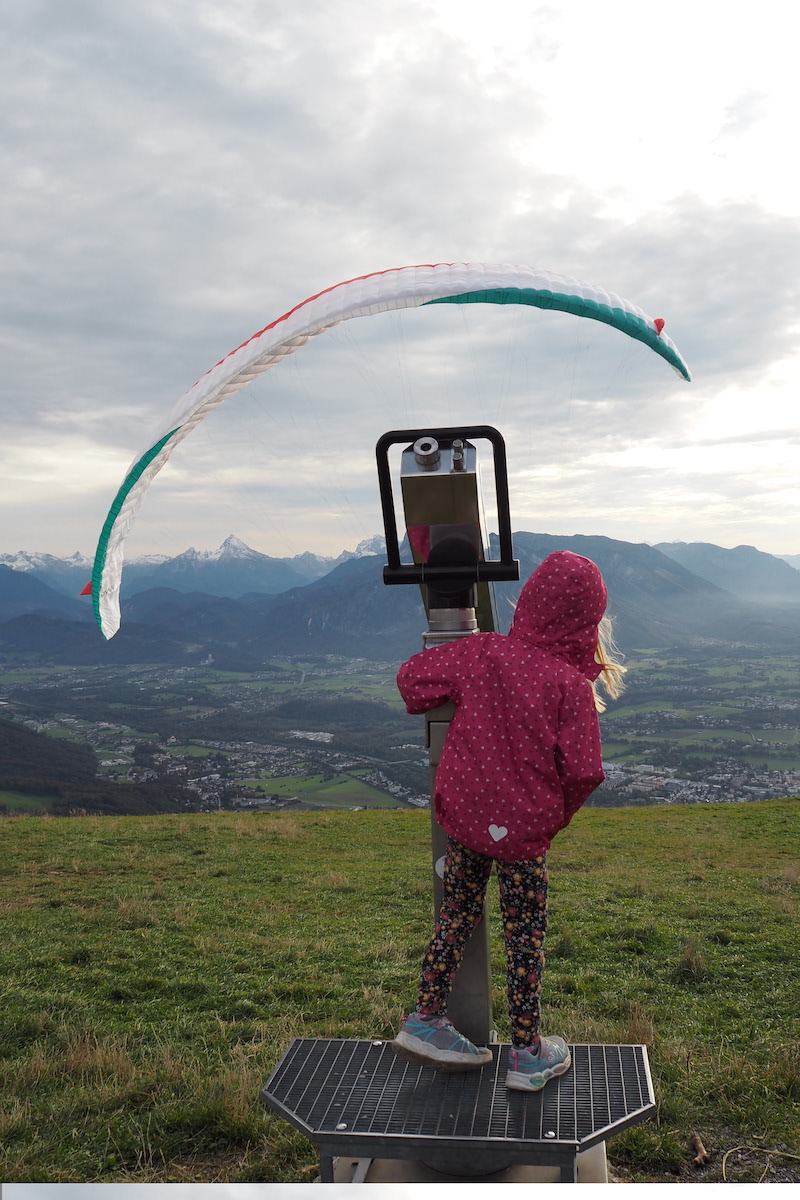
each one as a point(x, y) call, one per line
point(154, 969)
point(70, 735)
point(340, 791)
point(22, 802)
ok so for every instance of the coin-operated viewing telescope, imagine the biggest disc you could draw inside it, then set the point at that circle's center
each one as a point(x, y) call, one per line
point(442, 507)
point(355, 1098)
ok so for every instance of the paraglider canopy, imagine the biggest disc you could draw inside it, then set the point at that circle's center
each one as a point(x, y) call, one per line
point(382, 291)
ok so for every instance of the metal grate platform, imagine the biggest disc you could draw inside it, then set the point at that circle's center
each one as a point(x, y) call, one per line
point(357, 1098)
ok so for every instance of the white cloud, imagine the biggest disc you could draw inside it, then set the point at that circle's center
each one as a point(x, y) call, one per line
point(743, 113)
point(179, 174)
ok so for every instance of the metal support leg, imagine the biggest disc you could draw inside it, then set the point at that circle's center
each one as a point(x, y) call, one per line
point(362, 1167)
point(569, 1171)
point(326, 1168)
point(470, 1003)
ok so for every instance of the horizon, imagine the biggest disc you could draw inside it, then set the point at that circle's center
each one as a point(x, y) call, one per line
point(209, 550)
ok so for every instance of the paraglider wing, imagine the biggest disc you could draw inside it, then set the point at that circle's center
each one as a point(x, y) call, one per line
point(383, 291)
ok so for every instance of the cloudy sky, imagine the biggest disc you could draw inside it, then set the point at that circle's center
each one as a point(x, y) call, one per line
point(178, 173)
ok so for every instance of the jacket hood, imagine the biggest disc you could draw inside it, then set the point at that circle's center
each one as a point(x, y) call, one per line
point(560, 607)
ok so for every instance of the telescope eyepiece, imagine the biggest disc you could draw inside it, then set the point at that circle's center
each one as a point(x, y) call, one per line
point(426, 452)
point(459, 552)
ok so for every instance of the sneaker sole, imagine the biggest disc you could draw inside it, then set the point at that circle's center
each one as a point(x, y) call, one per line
point(519, 1082)
point(412, 1050)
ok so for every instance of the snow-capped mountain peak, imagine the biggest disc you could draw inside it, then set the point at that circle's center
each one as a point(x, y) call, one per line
point(29, 560)
point(234, 547)
point(365, 549)
point(233, 569)
point(373, 545)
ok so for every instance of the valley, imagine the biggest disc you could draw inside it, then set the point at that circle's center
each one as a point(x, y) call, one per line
point(231, 685)
point(719, 723)
point(302, 734)
point(711, 724)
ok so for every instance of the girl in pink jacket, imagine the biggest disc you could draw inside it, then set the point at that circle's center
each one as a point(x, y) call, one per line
point(521, 757)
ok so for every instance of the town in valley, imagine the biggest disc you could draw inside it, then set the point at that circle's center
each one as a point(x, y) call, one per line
point(716, 723)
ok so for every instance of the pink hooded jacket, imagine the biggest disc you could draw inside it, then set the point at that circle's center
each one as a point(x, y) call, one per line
point(523, 750)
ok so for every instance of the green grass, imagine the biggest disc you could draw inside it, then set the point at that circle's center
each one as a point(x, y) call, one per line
point(633, 710)
point(31, 674)
point(613, 750)
point(341, 790)
point(22, 802)
point(71, 735)
point(153, 970)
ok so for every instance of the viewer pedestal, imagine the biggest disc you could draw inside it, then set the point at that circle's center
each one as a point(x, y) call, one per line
point(591, 1165)
point(362, 1105)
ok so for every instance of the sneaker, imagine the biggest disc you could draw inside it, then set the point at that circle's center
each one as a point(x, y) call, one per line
point(529, 1072)
point(433, 1042)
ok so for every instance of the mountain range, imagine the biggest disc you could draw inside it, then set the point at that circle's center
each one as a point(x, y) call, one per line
point(229, 570)
point(237, 608)
point(744, 571)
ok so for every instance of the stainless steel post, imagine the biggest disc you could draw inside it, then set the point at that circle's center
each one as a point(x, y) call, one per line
point(470, 1004)
point(442, 508)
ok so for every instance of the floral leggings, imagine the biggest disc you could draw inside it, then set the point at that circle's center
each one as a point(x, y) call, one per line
point(523, 903)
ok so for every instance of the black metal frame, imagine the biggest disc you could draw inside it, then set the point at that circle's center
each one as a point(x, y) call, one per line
point(504, 568)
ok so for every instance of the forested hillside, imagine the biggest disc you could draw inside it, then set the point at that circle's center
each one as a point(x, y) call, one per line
point(63, 775)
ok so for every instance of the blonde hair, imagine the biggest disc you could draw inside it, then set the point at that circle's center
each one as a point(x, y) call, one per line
point(609, 657)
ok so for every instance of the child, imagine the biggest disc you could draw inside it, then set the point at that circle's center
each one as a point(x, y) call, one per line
point(521, 757)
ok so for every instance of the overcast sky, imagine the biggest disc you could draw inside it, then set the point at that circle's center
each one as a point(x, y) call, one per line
point(178, 173)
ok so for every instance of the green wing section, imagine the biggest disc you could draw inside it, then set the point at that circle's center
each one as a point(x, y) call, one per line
point(626, 322)
point(128, 484)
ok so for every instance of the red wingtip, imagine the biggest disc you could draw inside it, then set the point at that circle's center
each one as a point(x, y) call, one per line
point(659, 324)
point(87, 591)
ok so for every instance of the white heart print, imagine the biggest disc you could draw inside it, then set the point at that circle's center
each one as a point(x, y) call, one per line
point(497, 832)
